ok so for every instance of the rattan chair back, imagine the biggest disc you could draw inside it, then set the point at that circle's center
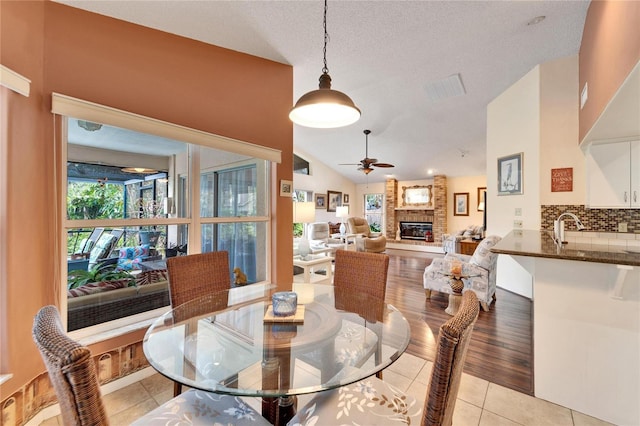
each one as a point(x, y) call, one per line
point(71, 369)
point(197, 275)
point(453, 341)
point(361, 271)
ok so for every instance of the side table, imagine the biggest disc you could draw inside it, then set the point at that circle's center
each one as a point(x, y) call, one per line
point(346, 239)
point(468, 246)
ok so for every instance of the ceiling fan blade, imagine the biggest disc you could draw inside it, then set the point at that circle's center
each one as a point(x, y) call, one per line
point(349, 164)
point(383, 165)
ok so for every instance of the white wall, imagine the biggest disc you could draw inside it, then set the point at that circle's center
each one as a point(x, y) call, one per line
point(513, 126)
point(320, 180)
point(537, 116)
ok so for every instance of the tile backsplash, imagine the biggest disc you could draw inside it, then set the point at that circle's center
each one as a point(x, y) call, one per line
point(594, 220)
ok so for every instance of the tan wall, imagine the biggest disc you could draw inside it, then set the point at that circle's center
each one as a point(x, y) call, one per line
point(610, 49)
point(136, 69)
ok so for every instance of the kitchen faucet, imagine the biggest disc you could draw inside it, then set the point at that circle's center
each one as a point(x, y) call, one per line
point(558, 226)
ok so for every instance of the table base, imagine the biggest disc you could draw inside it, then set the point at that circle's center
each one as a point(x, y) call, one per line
point(454, 303)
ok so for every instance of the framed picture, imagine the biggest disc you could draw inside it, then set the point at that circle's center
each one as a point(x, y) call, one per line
point(321, 201)
point(334, 199)
point(345, 198)
point(461, 204)
point(481, 193)
point(286, 188)
point(510, 174)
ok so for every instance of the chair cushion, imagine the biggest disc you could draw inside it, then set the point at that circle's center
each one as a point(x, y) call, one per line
point(195, 407)
point(102, 248)
point(367, 402)
point(483, 256)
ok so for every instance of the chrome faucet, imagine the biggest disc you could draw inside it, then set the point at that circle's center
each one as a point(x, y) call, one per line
point(558, 226)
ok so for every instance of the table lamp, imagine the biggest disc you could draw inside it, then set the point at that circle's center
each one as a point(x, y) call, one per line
point(304, 213)
point(342, 212)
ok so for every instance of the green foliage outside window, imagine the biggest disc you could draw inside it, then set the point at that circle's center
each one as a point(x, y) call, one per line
point(297, 230)
point(86, 200)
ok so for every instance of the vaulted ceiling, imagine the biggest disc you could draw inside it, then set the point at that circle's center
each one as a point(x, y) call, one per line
point(384, 55)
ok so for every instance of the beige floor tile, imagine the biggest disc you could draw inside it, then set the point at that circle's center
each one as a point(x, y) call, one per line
point(473, 390)
point(490, 419)
point(408, 365)
point(580, 419)
point(163, 396)
point(396, 380)
point(125, 398)
point(425, 373)
point(157, 384)
point(418, 391)
point(466, 414)
point(525, 409)
point(129, 415)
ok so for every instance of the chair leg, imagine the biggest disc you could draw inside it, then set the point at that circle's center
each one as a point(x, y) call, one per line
point(427, 293)
point(379, 375)
point(177, 388)
point(485, 306)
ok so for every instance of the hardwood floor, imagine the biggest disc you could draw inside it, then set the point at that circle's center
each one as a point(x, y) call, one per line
point(501, 348)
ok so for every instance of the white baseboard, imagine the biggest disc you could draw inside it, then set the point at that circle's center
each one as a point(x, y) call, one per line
point(415, 247)
point(107, 388)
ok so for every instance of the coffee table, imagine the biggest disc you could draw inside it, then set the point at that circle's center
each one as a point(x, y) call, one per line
point(313, 263)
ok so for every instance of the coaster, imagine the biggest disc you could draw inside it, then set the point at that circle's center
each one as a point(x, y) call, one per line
point(298, 317)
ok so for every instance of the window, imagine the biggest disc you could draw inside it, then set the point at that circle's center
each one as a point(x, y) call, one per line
point(129, 203)
point(300, 165)
point(373, 210)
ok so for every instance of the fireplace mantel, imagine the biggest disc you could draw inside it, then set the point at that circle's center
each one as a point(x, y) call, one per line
point(415, 208)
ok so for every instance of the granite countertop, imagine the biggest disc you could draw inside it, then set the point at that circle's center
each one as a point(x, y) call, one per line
point(540, 244)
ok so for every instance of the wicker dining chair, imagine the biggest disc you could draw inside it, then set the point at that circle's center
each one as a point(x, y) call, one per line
point(361, 272)
point(194, 276)
point(374, 402)
point(72, 371)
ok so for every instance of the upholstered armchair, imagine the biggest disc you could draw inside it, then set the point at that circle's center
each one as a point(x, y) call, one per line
point(480, 268)
point(366, 240)
point(318, 234)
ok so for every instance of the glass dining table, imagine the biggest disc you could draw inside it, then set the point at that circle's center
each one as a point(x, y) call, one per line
point(228, 343)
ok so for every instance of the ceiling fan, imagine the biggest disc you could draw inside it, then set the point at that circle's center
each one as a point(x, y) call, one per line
point(367, 164)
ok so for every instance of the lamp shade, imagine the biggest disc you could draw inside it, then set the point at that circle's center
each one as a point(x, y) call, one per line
point(304, 212)
point(342, 211)
point(481, 206)
point(324, 108)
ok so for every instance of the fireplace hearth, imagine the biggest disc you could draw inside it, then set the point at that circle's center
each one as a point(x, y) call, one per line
point(422, 231)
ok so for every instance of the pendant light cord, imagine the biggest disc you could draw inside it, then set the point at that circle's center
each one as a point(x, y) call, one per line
point(325, 70)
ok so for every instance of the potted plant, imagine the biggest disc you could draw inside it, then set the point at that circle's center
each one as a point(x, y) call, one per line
point(98, 273)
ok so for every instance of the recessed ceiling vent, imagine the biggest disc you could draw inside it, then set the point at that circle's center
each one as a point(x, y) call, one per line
point(446, 88)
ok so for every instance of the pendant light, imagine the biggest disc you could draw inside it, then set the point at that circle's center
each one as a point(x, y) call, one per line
point(324, 108)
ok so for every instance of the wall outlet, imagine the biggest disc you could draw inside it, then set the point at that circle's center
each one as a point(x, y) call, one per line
point(622, 227)
point(517, 224)
point(518, 211)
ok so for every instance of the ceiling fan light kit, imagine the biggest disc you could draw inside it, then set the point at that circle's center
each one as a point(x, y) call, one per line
point(324, 108)
point(366, 164)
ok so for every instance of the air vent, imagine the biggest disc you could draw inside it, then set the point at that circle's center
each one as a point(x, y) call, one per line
point(446, 88)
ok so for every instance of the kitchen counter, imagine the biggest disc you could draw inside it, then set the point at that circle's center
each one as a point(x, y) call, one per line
point(586, 327)
point(540, 244)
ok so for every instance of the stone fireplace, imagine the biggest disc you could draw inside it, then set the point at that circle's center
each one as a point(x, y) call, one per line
point(436, 215)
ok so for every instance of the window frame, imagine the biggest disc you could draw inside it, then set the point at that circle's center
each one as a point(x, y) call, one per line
point(64, 106)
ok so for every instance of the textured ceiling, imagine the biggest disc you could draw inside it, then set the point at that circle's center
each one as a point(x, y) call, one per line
point(384, 54)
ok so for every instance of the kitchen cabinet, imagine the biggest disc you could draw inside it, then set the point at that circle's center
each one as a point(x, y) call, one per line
point(613, 175)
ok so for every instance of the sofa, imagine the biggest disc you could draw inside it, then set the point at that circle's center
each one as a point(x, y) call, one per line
point(366, 240)
point(450, 241)
point(95, 303)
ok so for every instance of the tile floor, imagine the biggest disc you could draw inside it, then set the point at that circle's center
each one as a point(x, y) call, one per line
point(480, 403)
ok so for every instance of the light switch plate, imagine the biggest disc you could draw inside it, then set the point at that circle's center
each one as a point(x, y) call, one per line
point(517, 224)
point(518, 211)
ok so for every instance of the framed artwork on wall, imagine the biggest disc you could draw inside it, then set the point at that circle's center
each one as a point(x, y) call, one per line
point(510, 174)
point(334, 199)
point(321, 201)
point(461, 204)
point(286, 188)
